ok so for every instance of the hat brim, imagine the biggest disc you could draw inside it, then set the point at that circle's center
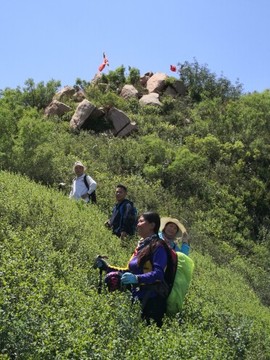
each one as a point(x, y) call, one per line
point(165, 220)
point(78, 164)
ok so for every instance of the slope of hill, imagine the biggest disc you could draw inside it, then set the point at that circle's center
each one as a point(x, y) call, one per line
point(50, 308)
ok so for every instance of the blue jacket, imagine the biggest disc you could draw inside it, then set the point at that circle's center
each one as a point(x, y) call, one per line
point(184, 246)
point(151, 272)
point(122, 218)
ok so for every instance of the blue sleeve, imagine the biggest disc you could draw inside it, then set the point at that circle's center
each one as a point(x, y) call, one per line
point(185, 248)
point(174, 246)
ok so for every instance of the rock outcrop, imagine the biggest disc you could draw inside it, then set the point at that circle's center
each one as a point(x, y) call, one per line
point(121, 122)
point(56, 108)
point(156, 83)
point(70, 92)
point(151, 88)
point(129, 91)
point(84, 115)
point(150, 99)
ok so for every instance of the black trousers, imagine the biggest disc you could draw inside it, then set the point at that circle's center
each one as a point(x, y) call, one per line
point(154, 308)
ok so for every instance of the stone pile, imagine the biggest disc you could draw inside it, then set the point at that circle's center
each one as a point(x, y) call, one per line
point(87, 115)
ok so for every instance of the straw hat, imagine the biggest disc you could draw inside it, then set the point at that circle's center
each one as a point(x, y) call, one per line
point(78, 163)
point(181, 229)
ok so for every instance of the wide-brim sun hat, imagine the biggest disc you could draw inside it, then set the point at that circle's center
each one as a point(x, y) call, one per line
point(165, 220)
point(78, 163)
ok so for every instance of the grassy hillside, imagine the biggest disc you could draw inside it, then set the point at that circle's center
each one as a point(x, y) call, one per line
point(50, 307)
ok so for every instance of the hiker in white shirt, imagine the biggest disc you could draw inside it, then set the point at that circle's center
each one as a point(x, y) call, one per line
point(83, 186)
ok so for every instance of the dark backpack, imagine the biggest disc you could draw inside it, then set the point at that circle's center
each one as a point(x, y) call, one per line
point(92, 196)
point(132, 216)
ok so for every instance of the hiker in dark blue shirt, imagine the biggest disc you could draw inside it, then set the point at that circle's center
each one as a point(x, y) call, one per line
point(123, 220)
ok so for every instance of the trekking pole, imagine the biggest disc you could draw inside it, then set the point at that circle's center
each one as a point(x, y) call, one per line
point(101, 268)
point(100, 281)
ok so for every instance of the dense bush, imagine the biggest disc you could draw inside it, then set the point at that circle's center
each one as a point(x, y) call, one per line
point(50, 307)
point(202, 157)
point(202, 83)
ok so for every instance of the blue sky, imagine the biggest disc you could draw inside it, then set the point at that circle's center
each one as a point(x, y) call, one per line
point(64, 40)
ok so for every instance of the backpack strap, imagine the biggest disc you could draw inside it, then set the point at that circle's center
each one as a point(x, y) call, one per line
point(172, 260)
point(92, 196)
point(85, 181)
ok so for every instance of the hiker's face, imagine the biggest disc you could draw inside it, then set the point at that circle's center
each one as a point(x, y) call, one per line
point(79, 170)
point(144, 227)
point(120, 194)
point(171, 230)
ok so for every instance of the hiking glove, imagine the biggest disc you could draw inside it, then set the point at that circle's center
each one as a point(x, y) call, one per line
point(101, 264)
point(129, 278)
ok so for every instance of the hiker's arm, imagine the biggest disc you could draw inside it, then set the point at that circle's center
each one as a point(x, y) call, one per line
point(116, 268)
point(185, 244)
point(185, 248)
point(92, 184)
point(110, 221)
point(159, 265)
point(92, 187)
point(100, 263)
point(72, 190)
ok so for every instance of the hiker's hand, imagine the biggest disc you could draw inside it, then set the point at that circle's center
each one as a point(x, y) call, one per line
point(123, 235)
point(100, 263)
point(186, 238)
point(129, 278)
point(107, 224)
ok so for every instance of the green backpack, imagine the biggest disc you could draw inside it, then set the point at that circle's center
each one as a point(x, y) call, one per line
point(181, 275)
point(178, 275)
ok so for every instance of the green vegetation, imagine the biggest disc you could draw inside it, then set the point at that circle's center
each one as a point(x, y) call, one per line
point(202, 157)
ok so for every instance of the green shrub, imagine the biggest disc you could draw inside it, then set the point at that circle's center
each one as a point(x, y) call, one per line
point(50, 306)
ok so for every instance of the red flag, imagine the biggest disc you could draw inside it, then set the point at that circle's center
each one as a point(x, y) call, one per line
point(101, 66)
point(105, 60)
point(173, 68)
point(104, 63)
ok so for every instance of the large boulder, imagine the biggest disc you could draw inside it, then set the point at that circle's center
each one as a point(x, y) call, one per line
point(70, 92)
point(56, 108)
point(66, 92)
point(85, 114)
point(79, 95)
point(145, 78)
point(129, 91)
point(128, 130)
point(156, 83)
point(150, 99)
point(121, 122)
